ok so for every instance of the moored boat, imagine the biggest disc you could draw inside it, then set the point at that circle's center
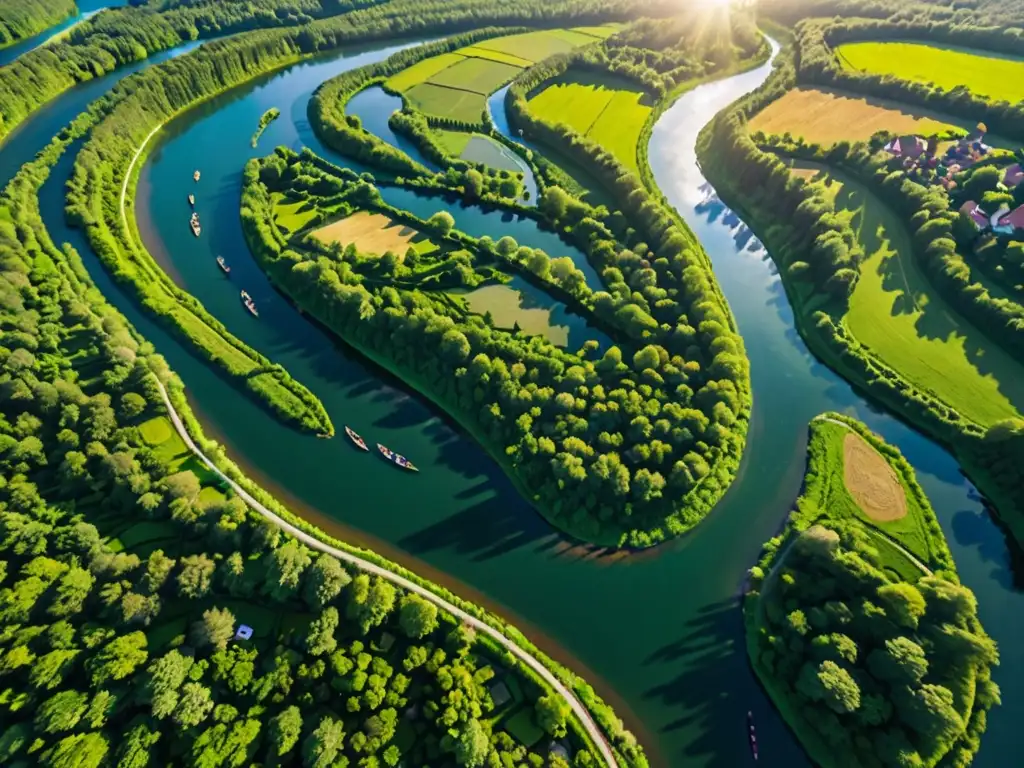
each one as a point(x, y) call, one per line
point(752, 735)
point(355, 438)
point(245, 296)
point(192, 200)
point(249, 304)
point(195, 176)
point(194, 223)
point(223, 265)
point(396, 458)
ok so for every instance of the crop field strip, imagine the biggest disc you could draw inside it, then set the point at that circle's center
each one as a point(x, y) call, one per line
point(896, 313)
point(991, 75)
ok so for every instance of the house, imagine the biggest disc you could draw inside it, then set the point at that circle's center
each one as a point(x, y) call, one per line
point(1013, 175)
point(1010, 221)
point(244, 632)
point(907, 146)
point(978, 216)
point(500, 694)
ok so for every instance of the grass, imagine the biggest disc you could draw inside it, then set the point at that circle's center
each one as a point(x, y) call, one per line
point(603, 108)
point(602, 32)
point(422, 71)
point(291, 216)
point(454, 142)
point(536, 46)
point(825, 117)
point(991, 75)
point(477, 75)
point(505, 58)
point(374, 233)
point(448, 102)
point(896, 313)
point(523, 728)
point(484, 149)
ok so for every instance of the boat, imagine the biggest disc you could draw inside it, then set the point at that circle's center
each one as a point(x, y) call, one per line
point(192, 200)
point(245, 297)
point(223, 265)
point(195, 176)
point(396, 458)
point(752, 735)
point(194, 223)
point(252, 308)
point(355, 438)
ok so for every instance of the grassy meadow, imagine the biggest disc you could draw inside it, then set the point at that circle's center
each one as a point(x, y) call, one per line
point(992, 75)
point(825, 117)
point(605, 109)
point(374, 233)
point(508, 308)
point(457, 84)
point(896, 313)
point(290, 216)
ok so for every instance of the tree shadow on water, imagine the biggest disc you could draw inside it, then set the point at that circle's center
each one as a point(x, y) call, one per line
point(971, 528)
point(708, 682)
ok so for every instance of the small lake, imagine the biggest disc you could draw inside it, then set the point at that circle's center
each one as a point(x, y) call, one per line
point(374, 106)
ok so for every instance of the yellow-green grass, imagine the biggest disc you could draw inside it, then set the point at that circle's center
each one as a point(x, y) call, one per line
point(448, 102)
point(504, 58)
point(374, 233)
point(994, 76)
point(453, 142)
point(508, 309)
point(290, 216)
point(422, 71)
point(896, 313)
point(602, 32)
point(535, 46)
point(602, 108)
point(170, 448)
point(823, 116)
point(477, 75)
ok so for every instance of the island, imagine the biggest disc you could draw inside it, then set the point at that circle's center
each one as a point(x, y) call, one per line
point(265, 120)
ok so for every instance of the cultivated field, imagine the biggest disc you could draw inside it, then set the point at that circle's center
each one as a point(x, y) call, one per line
point(987, 74)
point(607, 110)
point(872, 481)
point(456, 84)
point(374, 233)
point(826, 117)
point(896, 313)
point(509, 308)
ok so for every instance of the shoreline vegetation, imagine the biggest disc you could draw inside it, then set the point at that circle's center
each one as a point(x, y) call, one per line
point(265, 120)
point(858, 627)
point(21, 19)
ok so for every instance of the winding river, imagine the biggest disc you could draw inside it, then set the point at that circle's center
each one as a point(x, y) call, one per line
point(659, 634)
point(86, 10)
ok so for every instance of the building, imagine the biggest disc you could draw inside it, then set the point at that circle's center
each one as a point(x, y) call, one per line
point(907, 146)
point(978, 216)
point(1009, 221)
point(1013, 175)
point(244, 632)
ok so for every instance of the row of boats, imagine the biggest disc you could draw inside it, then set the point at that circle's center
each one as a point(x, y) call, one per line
point(395, 458)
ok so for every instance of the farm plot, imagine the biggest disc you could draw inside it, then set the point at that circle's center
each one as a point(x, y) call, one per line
point(605, 109)
point(422, 71)
point(825, 117)
point(374, 233)
point(896, 313)
point(992, 75)
point(477, 75)
point(447, 102)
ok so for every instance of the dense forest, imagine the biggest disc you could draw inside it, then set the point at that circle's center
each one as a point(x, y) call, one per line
point(23, 18)
point(874, 657)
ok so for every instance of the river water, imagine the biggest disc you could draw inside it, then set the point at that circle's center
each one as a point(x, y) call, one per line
point(659, 634)
point(86, 10)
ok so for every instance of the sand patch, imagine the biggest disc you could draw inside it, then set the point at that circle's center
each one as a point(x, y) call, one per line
point(873, 484)
point(371, 232)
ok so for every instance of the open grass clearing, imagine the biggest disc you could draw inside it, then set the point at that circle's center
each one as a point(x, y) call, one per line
point(504, 58)
point(452, 141)
point(477, 75)
point(448, 102)
point(374, 233)
point(824, 116)
point(422, 71)
point(991, 75)
point(602, 33)
point(604, 108)
point(897, 314)
point(510, 308)
point(871, 481)
point(535, 46)
point(485, 150)
point(291, 216)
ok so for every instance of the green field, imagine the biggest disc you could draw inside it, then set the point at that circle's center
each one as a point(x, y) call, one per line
point(505, 58)
point(605, 109)
point(447, 102)
point(897, 314)
point(987, 74)
point(477, 75)
point(422, 71)
point(290, 216)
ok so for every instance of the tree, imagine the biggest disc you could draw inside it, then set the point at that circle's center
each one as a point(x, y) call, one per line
point(136, 747)
point(417, 616)
point(118, 658)
point(322, 746)
point(902, 662)
point(196, 576)
point(215, 629)
point(284, 570)
point(324, 581)
point(830, 684)
point(320, 639)
point(61, 712)
point(473, 746)
point(370, 602)
point(82, 750)
point(164, 678)
point(194, 706)
point(285, 729)
point(441, 222)
point(455, 346)
point(903, 603)
point(552, 711)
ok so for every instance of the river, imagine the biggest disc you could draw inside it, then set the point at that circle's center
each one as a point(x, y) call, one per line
point(86, 10)
point(659, 633)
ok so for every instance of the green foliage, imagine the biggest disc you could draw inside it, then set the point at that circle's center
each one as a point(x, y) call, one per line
point(24, 18)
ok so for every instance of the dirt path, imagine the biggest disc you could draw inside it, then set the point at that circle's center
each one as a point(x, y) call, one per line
point(312, 542)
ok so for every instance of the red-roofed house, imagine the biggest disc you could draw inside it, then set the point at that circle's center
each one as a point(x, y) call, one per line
point(907, 146)
point(1011, 221)
point(977, 215)
point(1013, 175)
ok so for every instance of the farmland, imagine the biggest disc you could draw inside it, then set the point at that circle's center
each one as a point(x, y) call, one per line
point(826, 117)
point(999, 78)
point(604, 109)
point(456, 85)
point(896, 313)
point(374, 233)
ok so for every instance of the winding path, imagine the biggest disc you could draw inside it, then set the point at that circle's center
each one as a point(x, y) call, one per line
point(311, 541)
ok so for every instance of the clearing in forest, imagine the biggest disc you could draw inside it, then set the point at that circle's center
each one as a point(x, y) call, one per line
point(374, 233)
point(822, 116)
point(289, 215)
point(605, 109)
point(896, 313)
point(991, 75)
point(872, 481)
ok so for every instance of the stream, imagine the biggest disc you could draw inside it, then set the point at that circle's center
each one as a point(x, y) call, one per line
point(86, 10)
point(658, 633)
